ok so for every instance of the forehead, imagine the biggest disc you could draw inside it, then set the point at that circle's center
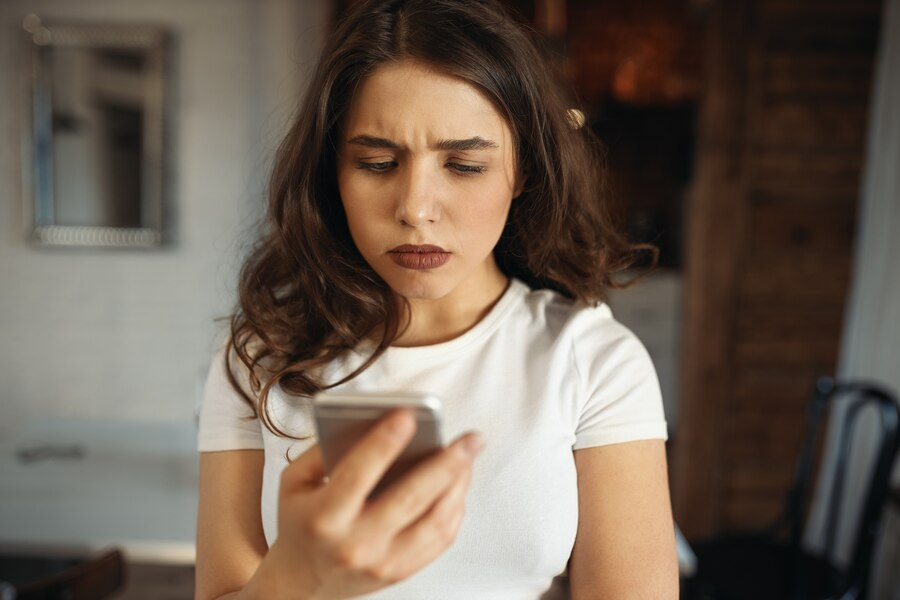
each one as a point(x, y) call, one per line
point(409, 99)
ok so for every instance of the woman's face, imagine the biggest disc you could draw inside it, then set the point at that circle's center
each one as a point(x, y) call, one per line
point(426, 174)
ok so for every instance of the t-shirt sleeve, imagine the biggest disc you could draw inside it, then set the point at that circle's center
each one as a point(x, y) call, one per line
point(622, 398)
point(227, 421)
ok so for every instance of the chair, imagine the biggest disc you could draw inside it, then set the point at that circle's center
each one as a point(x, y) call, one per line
point(30, 578)
point(771, 564)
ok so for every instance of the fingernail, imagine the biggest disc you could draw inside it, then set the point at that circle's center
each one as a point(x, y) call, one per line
point(473, 445)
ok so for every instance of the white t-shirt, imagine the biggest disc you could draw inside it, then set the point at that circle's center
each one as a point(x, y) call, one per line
point(539, 376)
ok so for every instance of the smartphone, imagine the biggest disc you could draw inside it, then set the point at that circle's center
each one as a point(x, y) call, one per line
point(343, 419)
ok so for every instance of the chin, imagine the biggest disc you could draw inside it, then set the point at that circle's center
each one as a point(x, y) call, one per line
point(420, 285)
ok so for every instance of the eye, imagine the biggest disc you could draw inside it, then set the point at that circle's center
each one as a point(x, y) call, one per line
point(377, 167)
point(466, 169)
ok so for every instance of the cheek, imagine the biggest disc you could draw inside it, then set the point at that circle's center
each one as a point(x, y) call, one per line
point(356, 200)
point(361, 225)
point(354, 212)
point(363, 196)
point(494, 202)
point(487, 213)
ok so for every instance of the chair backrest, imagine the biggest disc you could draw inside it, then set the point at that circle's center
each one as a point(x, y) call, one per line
point(857, 395)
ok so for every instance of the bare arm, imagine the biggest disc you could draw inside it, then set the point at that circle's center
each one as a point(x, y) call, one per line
point(230, 541)
point(625, 545)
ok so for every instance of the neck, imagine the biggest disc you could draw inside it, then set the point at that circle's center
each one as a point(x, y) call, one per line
point(435, 321)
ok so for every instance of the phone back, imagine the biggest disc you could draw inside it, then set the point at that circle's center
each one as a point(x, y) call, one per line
point(343, 419)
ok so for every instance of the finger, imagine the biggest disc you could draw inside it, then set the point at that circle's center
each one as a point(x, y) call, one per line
point(356, 475)
point(304, 472)
point(415, 493)
point(431, 535)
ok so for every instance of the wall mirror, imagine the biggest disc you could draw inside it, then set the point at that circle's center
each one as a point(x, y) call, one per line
point(95, 167)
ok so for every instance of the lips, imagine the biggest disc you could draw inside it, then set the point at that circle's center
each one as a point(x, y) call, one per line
point(425, 256)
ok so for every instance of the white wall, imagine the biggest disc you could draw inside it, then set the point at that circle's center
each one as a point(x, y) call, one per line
point(128, 334)
point(652, 310)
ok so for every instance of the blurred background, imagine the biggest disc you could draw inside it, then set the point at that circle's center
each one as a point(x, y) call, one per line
point(755, 142)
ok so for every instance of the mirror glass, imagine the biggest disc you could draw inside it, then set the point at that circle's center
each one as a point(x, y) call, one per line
point(97, 138)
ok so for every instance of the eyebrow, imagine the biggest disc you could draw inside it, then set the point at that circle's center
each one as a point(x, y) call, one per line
point(472, 143)
point(370, 141)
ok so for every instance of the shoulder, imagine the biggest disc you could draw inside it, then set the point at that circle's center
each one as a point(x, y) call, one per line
point(604, 366)
point(227, 419)
point(601, 353)
point(587, 329)
point(227, 371)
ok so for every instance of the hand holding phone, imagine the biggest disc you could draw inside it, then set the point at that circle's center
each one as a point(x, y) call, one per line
point(342, 541)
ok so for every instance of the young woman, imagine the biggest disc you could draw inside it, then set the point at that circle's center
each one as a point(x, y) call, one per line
point(436, 224)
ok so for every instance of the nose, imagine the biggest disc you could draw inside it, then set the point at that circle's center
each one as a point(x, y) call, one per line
point(418, 202)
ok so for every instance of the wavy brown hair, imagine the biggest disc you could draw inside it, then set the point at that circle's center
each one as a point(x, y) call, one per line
point(307, 297)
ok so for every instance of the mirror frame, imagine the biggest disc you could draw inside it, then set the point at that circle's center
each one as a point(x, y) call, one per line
point(37, 172)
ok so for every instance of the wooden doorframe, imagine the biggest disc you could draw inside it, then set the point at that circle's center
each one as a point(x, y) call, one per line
point(714, 222)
